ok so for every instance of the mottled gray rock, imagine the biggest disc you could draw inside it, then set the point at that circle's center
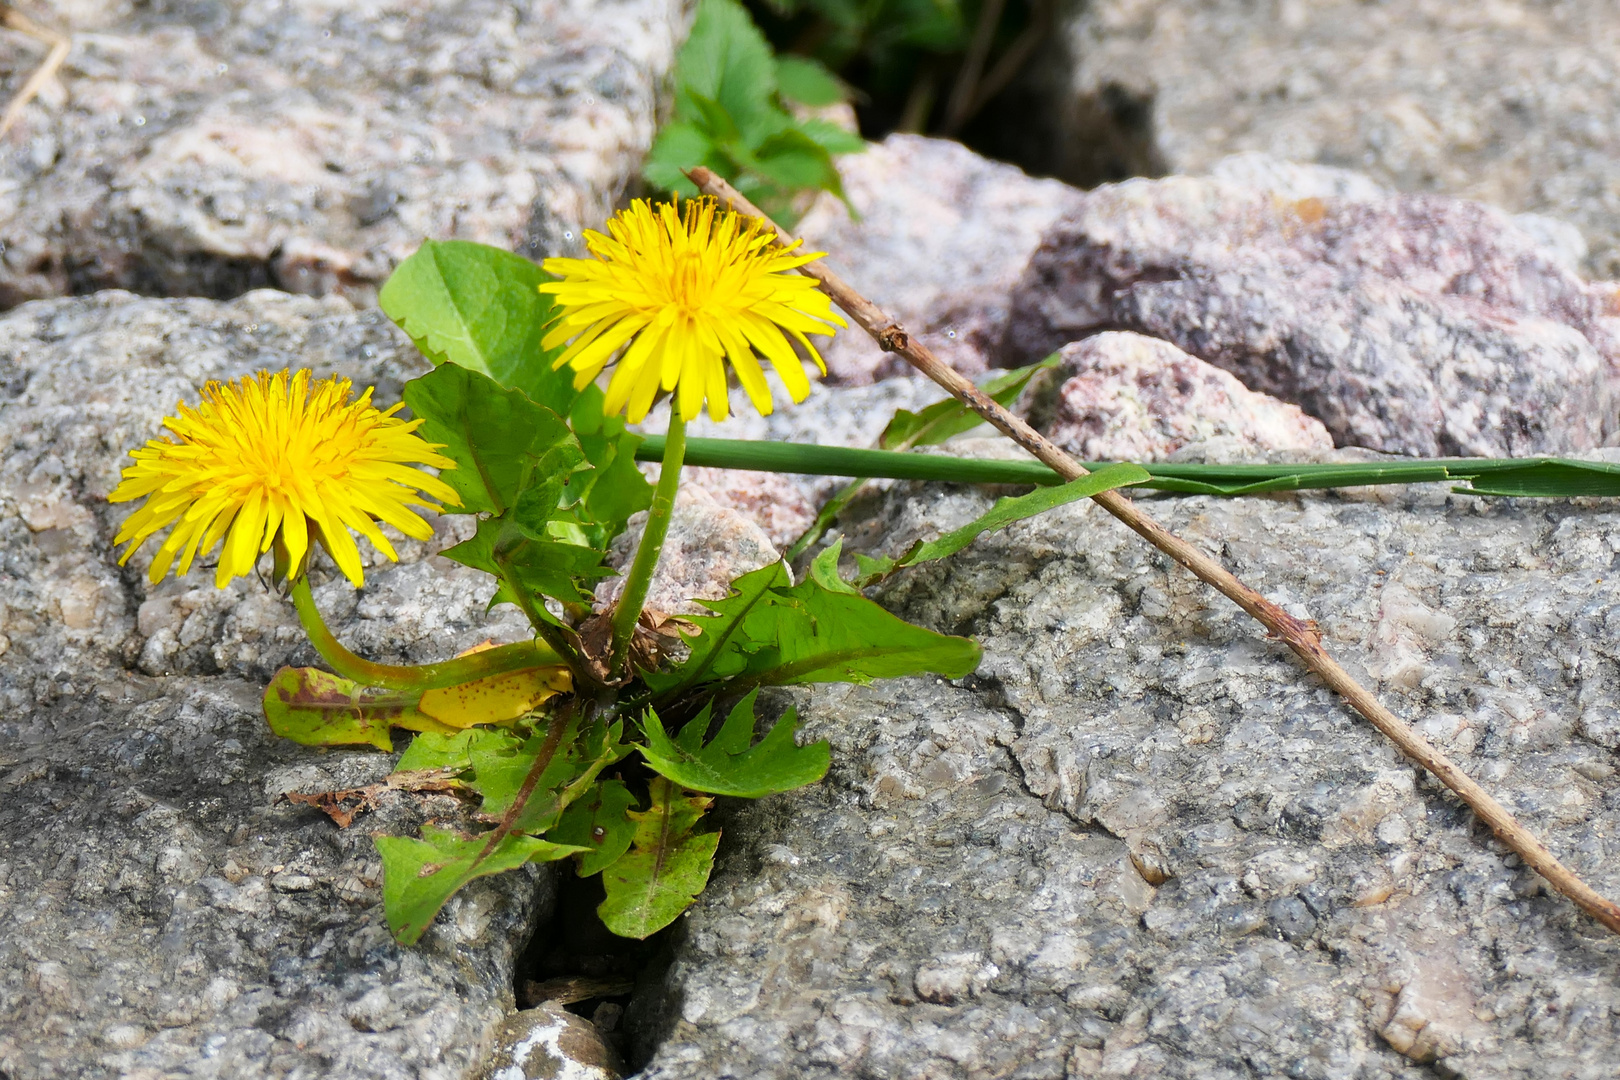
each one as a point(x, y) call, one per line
point(1141, 843)
point(208, 149)
point(1511, 102)
point(1408, 323)
point(942, 237)
point(162, 912)
point(1124, 397)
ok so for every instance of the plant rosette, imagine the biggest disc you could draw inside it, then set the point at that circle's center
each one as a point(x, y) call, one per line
point(605, 738)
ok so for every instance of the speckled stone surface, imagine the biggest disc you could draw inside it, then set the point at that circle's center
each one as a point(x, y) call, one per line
point(1140, 843)
point(162, 912)
point(1119, 396)
point(1510, 101)
point(942, 237)
point(208, 148)
point(1408, 323)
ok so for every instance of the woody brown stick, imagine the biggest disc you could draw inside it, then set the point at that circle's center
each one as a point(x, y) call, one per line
point(1299, 635)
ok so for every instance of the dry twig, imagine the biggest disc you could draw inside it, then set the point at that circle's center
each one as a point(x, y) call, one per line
point(60, 43)
point(1300, 635)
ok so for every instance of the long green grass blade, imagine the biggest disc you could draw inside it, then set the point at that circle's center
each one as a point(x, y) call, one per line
point(1517, 477)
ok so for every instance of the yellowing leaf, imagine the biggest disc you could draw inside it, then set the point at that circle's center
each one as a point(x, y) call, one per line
point(496, 699)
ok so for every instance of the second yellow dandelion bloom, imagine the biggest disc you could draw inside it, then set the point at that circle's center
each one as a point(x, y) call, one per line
point(681, 291)
point(279, 455)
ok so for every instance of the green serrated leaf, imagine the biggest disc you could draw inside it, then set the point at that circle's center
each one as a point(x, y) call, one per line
point(506, 448)
point(531, 563)
point(832, 138)
point(806, 81)
point(946, 419)
point(420, 875)
point(1003, 513)
point(665, 868)
point(479, 307)
point(598, 821)
point(443, 750)
point(679, 146)
point(824, 569)
point(727, 61)
point(569, 761)
point(615, 488)
point(316, 708)
point(771, 633)
point(730, 764)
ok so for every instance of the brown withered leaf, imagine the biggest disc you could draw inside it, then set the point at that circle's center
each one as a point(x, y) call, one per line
point(657, 635)
point(346, 805)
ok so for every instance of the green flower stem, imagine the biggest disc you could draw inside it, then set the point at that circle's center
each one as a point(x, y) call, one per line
point(1550, 477)
point(673, 447)
point(497, 661)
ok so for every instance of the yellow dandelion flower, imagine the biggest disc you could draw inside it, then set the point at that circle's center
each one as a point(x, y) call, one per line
point(685, 291)
point(274, 454)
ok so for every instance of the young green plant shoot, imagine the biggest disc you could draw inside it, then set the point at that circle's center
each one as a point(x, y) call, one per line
point(597, 740)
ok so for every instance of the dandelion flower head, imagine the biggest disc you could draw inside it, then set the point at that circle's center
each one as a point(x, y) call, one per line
point(686, 289)
point(283, 455)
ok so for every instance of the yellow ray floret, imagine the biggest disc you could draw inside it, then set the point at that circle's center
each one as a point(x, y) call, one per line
point(278, 454)
point(681, 291)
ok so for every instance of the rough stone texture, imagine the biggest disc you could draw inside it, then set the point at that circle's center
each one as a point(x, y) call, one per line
point(162, 913)
point(942, 237)
point(1140, 843)
point(774, 500)
point(707, 547)
point(1124, 397)
point(208, 149)
point(1511, 102)
point(1408, 323)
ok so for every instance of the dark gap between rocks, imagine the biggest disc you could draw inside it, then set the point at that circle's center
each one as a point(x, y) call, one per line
point(576, 960)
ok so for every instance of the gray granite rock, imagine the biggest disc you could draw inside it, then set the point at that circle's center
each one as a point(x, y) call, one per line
point(211, 148)
point(942, 236)
point(1510, 102)
point(1124, 397)
point(162, 911)
point(1140, 843)
point(1408, 323)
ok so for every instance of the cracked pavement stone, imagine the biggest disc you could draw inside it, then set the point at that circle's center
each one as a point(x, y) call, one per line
point(1139, 842)
point(162, 911)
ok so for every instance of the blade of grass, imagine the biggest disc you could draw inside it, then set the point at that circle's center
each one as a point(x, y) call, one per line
point(1520, 477)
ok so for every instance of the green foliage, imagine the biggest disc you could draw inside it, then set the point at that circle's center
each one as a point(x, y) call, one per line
point(552, 481)
point(506, 448)
point(770, 632)
point(731, 763)
point(730, 116)
point(421, 875)
point(946, 419)
point(1003, 513)
point(478, 307)
point(598, 821)
point(666, 867)
point(316, 708)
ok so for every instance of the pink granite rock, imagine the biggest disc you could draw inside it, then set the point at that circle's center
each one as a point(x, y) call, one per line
point(1124, 397)
point(707, 548)
point(942, 238)
point(1406, 323)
